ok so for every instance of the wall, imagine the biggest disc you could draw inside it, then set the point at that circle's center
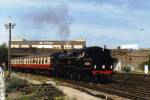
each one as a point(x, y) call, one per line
point(131, 58)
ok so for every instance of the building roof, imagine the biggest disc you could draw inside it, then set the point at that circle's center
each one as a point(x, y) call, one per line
point(46, 42)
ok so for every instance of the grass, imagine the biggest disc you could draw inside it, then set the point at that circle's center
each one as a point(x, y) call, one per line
point(25, 97)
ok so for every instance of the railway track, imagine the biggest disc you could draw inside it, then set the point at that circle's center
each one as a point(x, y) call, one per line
point(135, 87)
point(125, 86)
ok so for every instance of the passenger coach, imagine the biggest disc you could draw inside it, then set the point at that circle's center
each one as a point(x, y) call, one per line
point(32, 63)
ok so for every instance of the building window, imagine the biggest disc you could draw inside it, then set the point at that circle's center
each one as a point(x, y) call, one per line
point(67, 46)
point(130, 59)
point(14, 46)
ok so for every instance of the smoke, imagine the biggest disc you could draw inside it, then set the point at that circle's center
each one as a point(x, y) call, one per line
point(58, 16)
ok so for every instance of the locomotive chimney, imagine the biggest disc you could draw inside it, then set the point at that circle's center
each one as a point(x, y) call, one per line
point(104, 46)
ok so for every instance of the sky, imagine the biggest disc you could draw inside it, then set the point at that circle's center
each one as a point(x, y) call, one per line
point(99, 22)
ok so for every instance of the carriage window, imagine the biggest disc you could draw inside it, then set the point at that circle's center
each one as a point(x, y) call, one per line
point(39, 61)
point(33, 61)
point(29, 61)
point(46, 61)
point(36, 61)
point(42, 60)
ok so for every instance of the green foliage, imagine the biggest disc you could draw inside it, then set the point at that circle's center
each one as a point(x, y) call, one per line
point(29, 91)
point(145, 63)
point(3, 53)
point(127, 69)
point(13, 84)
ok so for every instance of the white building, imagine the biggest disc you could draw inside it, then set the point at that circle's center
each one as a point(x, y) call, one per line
point(71, 44)
point(130, 47)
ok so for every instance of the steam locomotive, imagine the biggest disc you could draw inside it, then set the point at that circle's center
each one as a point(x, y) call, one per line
point(90, 64)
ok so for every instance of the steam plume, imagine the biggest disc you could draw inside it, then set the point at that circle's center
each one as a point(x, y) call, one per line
point(58, 16)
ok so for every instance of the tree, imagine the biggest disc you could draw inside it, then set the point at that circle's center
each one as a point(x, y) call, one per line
point(146, 63)
point(3, 53)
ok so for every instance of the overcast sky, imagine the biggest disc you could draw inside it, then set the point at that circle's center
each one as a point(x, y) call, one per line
point(100, 22)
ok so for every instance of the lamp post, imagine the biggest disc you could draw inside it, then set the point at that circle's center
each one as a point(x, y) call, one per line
point(9, 26)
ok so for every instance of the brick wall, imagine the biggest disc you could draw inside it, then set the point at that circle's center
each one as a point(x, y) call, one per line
point(133, 58)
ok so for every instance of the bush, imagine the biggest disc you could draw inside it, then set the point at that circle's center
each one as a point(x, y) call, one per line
point(127, 69)
point(141, 66)
point(13, 84)
point(30, 91)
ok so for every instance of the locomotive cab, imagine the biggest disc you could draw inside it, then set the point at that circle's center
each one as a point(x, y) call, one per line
point(101, 62)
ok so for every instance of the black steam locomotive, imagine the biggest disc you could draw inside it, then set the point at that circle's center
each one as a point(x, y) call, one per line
point(91, 63)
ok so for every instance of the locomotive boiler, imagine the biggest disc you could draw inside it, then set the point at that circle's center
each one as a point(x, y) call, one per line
point(91, 63)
